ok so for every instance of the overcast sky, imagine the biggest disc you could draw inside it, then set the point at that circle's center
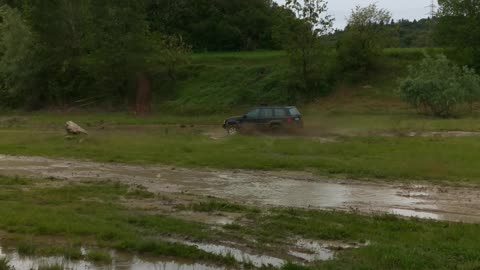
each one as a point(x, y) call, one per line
point(407, 9)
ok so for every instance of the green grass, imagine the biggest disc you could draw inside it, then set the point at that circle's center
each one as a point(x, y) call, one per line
point(99, 257)
point(394, 243)
point(453, 159)
point(91, 120)
point(223, 88)
point(5, 264)
point(27, 249)
point(91, 214)
point(217, 205)
point(51, 267)
point(239, 57)
point(71, 253)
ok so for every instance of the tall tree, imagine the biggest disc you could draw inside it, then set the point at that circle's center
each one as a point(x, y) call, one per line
point(364, 39)
point(301, 34)
point(17, 46)
point(60, 28)
point(459, 27)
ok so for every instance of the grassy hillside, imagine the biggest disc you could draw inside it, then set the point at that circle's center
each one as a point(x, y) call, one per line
point(222, 82)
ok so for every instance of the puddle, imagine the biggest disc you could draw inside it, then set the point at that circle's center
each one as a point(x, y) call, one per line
point(119, 262)
point(285, 189)
point(415, 214)
point(319, 252)
point(239, 255)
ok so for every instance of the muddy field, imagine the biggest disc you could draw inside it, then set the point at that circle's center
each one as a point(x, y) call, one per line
point(279, 189)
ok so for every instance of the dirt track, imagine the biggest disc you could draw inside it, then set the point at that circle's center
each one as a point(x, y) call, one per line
point(284, 189)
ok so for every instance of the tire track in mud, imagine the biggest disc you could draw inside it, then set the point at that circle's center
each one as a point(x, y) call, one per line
point(278, 189)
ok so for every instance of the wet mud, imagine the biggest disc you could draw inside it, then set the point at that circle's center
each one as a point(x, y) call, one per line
point(279, 189)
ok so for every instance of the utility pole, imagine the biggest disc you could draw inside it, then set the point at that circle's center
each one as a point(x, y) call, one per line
point(432, 9)
point(432, 14)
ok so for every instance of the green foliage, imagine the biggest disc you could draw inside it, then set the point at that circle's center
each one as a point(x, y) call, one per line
point(413, 34)
point(78, 53)
point(222, 25)
point(310, 60)
point(410, 54)
point(459, 27)
point(17, 46)
point(364, 40)
point(439, 87)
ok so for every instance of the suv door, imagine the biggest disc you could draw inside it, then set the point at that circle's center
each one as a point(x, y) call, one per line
point(266, 116)
point(250, 121)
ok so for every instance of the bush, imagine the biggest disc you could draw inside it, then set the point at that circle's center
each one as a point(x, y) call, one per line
point(439, 87)
point(361, 45)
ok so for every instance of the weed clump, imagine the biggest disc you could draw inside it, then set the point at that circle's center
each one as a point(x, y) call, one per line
point(27, 249)
point(5, 264)
point(51, 267)
point(100, 257)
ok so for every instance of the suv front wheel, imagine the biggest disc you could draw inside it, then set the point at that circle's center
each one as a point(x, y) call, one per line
point(232, 130)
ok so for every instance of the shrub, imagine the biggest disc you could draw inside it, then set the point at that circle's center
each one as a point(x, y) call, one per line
point(361, 45)
point(437, 86)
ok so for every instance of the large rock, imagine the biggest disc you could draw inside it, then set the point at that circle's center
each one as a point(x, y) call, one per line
point(74, 129)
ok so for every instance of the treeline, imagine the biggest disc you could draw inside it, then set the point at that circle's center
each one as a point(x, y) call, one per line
point(113, 53)
point(218, 25)
point(413, 34)
point(64, 53)
point(403, 33)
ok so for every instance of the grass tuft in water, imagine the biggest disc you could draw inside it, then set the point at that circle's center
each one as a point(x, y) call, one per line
point(220, 206)
point(100, 257)
point(51, 267)
point(5, 264)
point(27, 249)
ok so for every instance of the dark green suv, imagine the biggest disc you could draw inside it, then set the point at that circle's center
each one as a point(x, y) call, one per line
point(265, 119)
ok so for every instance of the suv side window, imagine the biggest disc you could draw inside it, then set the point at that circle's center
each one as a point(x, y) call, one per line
point(280, 113)
point(253, 114)
point(266, 114)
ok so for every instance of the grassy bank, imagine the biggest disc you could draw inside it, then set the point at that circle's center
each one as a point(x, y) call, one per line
point(95, 214)
point(432, 158)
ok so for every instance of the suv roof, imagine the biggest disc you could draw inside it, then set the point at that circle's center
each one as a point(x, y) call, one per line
point(276, 107)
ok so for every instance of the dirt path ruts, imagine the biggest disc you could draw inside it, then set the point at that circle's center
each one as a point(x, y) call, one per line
point(282, 189)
